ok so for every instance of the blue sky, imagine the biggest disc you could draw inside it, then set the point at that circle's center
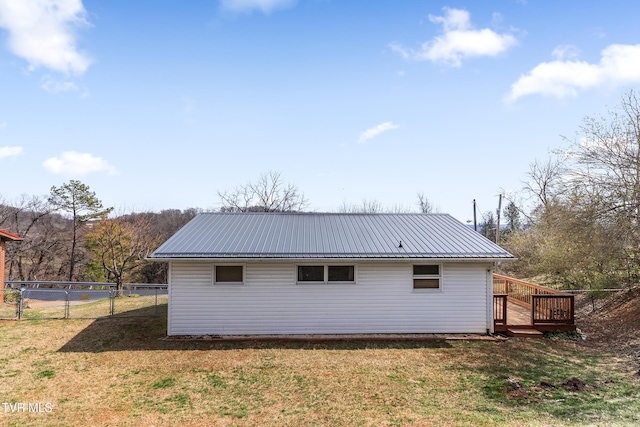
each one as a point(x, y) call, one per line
point(161, 104)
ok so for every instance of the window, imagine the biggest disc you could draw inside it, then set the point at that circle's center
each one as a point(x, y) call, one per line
point(229, 274)
point(326, 273)
point(341, 273)
point(310, 273)
point(426, 276)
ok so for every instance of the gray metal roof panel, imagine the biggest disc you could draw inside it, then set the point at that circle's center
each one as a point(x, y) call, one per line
point(326, 235)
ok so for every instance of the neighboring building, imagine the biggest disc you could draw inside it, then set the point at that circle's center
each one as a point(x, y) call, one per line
point(315, 273)
point(5, 236)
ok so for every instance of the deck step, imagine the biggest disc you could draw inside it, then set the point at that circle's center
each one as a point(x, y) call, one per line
point(525, 333)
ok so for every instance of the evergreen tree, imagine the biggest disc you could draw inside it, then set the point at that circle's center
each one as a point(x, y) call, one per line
point(78, 200)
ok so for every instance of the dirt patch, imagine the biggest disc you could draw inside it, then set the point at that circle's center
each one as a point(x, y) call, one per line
point(611, 323)
point(576, 384)
point(546, 385)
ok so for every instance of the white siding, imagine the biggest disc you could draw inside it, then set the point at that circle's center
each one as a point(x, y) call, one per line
point(381, 301)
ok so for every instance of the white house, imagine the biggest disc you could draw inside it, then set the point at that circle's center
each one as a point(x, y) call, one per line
point(319, 273)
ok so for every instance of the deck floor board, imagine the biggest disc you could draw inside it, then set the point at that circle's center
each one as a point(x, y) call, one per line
point(518, 315)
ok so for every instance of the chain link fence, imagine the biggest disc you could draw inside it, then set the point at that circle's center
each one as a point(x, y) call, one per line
point(72, 300)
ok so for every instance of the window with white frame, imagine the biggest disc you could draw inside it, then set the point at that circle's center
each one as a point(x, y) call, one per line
point(326, 273)
point(426, 276)
point(341, 273)
point(228, 274)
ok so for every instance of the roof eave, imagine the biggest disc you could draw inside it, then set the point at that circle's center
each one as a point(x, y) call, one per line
point(307, 258)
point(5, 235)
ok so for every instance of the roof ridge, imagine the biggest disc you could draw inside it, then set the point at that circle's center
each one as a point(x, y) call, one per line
point(329, 213)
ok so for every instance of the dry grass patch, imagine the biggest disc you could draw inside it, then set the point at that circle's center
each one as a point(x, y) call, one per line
point(119, 371)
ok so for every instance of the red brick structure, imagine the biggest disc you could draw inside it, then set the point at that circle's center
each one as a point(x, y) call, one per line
point(5, 236)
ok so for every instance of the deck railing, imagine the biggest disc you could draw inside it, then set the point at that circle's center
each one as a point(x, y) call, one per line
point(548, 306)
point(552, 309)
point(520, 292)
point(500, 309)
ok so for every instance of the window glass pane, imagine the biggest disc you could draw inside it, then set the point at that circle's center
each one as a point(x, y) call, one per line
point(228, 273)
point(341, 273)
point(311, 273)
point(426, 283)
point(419, 270)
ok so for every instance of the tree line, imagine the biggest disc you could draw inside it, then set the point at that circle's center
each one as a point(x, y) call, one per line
point(574, 223)
point(70, 236)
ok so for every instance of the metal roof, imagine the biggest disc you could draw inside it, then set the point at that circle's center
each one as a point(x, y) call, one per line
point(327, 235)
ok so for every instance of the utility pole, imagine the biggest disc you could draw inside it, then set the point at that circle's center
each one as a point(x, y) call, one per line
point(475, 221)
point(498, 226)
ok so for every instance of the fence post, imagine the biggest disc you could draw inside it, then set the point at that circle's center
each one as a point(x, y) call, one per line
point(156, 306)
point(67, 304)
point(534, 302)
point(20, 307)
point(112, 297)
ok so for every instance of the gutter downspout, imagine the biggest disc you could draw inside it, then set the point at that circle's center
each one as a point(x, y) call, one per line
point(489, 284)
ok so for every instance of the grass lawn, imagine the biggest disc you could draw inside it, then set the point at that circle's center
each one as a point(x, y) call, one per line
point(119, 371)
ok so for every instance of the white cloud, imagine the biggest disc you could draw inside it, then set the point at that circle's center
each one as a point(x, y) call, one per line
point(377, 130)
point(266, 6)
point(42, 32)
point(3, 125)
point(618, 66)
point(55, 86)
point(9, 151)
point(566, 51)
point(459, 41)
point(74, 163)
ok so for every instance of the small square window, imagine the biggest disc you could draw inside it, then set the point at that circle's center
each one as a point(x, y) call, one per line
point(311, 273)
point(426, 276)
point(341, 273)
point(229, 274)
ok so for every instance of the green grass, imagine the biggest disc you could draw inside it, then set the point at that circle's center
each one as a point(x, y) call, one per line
point(119, 371)
point(47, 373)
point(164, 383)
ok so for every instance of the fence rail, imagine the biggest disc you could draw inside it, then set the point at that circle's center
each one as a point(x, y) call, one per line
point(66, 300)
point(46, 284)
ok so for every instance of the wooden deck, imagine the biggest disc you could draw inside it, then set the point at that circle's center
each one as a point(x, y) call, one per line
point(520, 305)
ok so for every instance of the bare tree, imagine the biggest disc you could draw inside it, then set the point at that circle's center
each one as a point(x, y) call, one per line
point(488, 226)
point(545, 180)
point(268, 194)
point(365, 206)
point(425, 205)
point(607, 158)
point(375, 206)
point(39, 254)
